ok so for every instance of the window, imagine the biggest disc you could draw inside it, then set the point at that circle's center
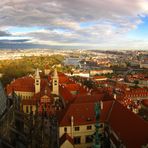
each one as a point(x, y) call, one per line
point(30, 108)
point(89, 127)
point(55, 82)
point(88, 139)
point(77, 128)
point(77, 140)
point(65, 129)
point(101, 125)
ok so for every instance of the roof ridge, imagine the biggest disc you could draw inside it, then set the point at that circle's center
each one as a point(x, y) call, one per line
point(110, 110)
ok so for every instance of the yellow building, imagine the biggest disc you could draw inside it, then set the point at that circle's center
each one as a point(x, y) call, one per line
point(78, 122)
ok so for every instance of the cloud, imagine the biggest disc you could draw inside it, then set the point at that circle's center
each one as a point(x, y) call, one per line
point(68, 22)
point(3, 33)
point(68, 12)
point(14, 41)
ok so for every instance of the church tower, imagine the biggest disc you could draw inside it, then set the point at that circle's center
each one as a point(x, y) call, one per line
point(55, 83)
point(37, 81)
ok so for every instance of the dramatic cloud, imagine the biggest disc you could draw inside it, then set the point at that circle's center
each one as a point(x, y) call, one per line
point(72, 22)
point(3, 33)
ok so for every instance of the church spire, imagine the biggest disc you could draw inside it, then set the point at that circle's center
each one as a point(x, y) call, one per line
point(37, 81)
point(55, 82)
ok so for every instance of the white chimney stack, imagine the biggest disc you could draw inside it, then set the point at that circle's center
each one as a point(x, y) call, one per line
point(101, 102)
point(72, 124)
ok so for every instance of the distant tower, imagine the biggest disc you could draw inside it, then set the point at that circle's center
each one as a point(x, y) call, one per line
point(47, 70)
point(37, 81)
point(55, 83)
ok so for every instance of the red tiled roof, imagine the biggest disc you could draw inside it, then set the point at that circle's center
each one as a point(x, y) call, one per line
point(130, 128)
point(63, 79)
point(83, 113)
point(83, 98)
point(21, 84)
point(65, 94)
point(25, 84)
point(99, 77)
point(75, 87)
point(72, 87)
point(145, 102)
point(64, 138)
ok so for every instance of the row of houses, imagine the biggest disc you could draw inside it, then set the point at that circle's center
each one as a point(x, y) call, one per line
point(74, 106)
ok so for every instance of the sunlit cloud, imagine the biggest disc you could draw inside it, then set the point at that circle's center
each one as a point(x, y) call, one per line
point(79, 23)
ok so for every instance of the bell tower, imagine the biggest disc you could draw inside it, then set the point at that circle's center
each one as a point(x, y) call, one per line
point(37, 81)
point(55, 83)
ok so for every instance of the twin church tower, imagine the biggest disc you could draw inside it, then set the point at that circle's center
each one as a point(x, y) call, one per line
point(55, 82)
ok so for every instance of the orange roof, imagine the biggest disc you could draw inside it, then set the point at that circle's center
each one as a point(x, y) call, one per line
point(84, 98)
point(145, 102)
point(99, 77)
point(21, 84)
point(75, 87)
point(25, 84)
point(65, 93)
point(63, 79)
point(129, 127)
point(83, 113)
point(72, 87)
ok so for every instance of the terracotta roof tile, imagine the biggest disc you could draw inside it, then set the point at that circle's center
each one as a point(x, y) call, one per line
point(145, 102)
point(130, 128)
point(25, 84)
point(83, 113)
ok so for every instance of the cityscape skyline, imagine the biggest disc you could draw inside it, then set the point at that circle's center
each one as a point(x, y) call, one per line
point(108, 24)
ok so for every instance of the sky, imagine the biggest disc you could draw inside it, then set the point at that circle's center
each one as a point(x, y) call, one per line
point(74, 24)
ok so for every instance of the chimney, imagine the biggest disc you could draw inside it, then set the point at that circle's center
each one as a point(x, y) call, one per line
point(101, 102)
point(72, 124)
point(115, 96)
